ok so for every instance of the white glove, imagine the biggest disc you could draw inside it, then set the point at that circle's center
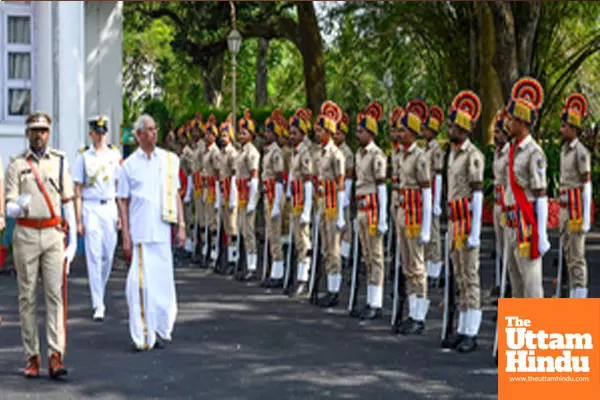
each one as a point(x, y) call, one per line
point(426, 219)
point(288, 187)
point(69, 209)
point(348, 192)
point(233, 194)
point(341, 222)
point(587, 201)
point(276, 202)
point(217, 195)
point(382, 196)
point(308, 197)
point(542, 220)
point(190, 188)
point(437, 196)
point(252, 195)
point(474, 239)
point(20, 207)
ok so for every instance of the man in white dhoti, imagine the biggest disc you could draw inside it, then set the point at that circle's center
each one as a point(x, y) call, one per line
point(95, 173)
point(149, 203)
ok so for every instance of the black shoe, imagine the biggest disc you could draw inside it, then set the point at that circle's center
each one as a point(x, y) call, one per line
point(452, 342)
point(272, 284)
point(495, 292)
point(370, 314)
point(230, 269)
point(468, 344)
point(329, 300)
point(412, 327)
point(355, 313)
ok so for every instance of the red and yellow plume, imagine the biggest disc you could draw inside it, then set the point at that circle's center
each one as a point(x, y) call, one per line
point(370, 117)
point(465, 110)
point(575, 111)
point(435, 119)
point(396, 116)
point(527, 98)
point(247, 122)
point(211, 125)
point(345, 123)
point(331, 115)
point(415, 114)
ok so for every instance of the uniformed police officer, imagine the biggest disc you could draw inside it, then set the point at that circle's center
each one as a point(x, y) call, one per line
point(38, 182)
point(526, 238)
point(229, 206)
point(371, 198)
point(273, 169)
point(331, 171)
point(435, 159)
point(340, 140)
point(414, 217)
point(575, 194)
point(95, 176)
point(198, 158)
point(465, 204)
point(187, 165)
point(396, 158)
point(246, 169)
point(211, 187)
point(301, 189)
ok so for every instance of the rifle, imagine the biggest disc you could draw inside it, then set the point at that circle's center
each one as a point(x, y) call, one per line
point(500, 296)
point(315, 252)
point(399, 290)
point(217, 240)
point(449, 295)
point(354, 280)
point(288, 267)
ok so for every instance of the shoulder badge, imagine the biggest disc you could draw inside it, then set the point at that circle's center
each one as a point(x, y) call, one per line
point(84, 148)
point(57, 153)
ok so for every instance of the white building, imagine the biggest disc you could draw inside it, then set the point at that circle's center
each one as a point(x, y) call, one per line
point(63, 57)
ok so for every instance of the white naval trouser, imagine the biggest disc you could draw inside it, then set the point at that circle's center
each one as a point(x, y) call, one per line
point(150, 292)
point(100, 231)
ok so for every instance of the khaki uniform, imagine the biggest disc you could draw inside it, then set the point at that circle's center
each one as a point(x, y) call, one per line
point(530, 172)
point(272, 169)
point(36, 250)
point(248, 160)
point(301, 171)
point(330, 167)
point(210, 175)
point(198, 187)
point(465, 167)
point(187, 165)
point(413, 170)
point(286, 205)
point(574, 162)
point(435, 160)
point(226, 172)
point(370, 168)
point(500, 169)
point(346, 234)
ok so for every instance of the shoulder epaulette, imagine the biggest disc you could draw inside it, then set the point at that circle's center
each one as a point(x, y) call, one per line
point(57, 153)
point(84, 148)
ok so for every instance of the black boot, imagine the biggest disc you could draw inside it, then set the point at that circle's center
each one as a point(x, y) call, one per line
point(355, 313)
point(370, 314)
point(453, 341)
point(272, 284)
point(468, 344)
point(412, 327)
point(250, 276)
point(329, 300)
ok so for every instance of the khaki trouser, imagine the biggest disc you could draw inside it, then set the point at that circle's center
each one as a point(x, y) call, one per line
point(199, 205)
point(211, 214)
point(273, 233)
point(372, 248)
point(34, 251)
point(302, 240)
point(230, 220)
point(346, 233)
point(286, 206)
point(188, 214)
point(433, 249)
point(247, 230)
point(413, 263)
point(330, 236)
point(466, 274)
point(574, 251)
point(525, 273)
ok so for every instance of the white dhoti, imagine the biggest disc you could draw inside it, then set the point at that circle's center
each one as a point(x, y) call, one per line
point(150, 292)
point(100, 227)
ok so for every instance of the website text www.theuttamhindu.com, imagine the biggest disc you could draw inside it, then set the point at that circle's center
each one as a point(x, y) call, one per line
point(549, 379)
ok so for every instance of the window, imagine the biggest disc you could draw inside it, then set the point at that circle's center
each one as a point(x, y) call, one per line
point(16, 54)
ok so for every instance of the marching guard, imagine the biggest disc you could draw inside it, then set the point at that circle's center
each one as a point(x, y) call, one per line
point(526, 238)
point(38, 183)
point(331, 171)
point(466, 164)
point(435, 159)
point(95, 177)
point(371, 198)
point(301, 188)
point(273, 169)
point(246, 169)
point(575, 194)
point(211, 187)
point(414, 217)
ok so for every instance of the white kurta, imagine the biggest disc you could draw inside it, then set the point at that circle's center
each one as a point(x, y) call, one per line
point(150, 287)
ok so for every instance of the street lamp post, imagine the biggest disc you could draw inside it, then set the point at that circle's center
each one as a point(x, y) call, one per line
point(234, 42)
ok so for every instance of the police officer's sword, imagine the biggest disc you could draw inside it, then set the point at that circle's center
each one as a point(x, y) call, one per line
point(353, 286)
point(559, 270)
point(500, 296)
point(239, 239)
point(448, 314)
point(396, 282)
point(265, 254)
point(286, 279)
point(195, 236)
point(217, 239)
point(315, 252)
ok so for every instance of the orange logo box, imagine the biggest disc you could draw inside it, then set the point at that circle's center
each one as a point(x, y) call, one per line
point(549, 349)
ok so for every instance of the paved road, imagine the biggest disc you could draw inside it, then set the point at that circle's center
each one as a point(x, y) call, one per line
point(236, 341)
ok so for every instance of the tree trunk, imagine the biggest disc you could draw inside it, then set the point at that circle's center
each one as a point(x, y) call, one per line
point(260, 91)
point(526, 35)
point(212, 76)
point(505, 58)
point(490, 86)
point(313, 57)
